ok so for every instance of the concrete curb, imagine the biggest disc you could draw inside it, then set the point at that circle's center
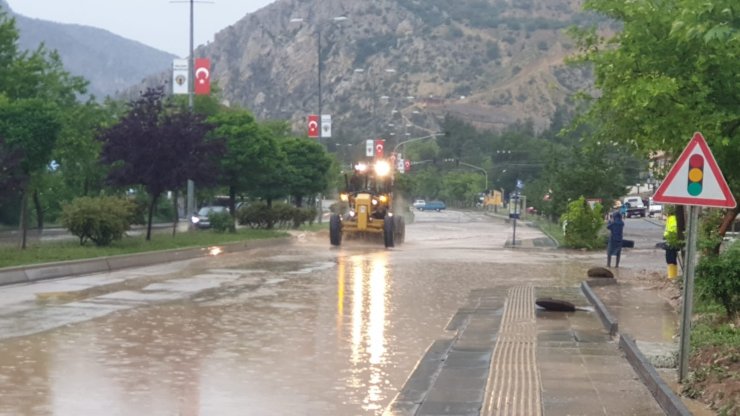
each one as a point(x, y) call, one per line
point(609, 321)
point(662, 394)
point(31, 273)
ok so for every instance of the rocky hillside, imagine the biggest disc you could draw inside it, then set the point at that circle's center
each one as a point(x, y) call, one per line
point(393, 66)
point(111, 63)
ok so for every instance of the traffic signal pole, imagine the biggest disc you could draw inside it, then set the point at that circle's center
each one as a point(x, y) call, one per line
point(688, 293)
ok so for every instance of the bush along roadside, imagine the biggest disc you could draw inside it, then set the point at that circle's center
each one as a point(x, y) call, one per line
point(582, 224)
point(715, 336)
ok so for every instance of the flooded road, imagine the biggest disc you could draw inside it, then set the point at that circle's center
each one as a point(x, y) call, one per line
point(303, 329)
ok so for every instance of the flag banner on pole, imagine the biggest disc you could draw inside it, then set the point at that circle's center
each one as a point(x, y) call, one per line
point(326, 125)
point(379, 145)
point(369, 148)
point(179, 76)
point(202, 76)
point(313, 126)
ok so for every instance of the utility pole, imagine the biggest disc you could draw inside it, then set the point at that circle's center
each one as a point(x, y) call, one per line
point(190, 203)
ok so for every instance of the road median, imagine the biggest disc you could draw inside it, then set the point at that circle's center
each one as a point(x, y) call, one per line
point(35, 272)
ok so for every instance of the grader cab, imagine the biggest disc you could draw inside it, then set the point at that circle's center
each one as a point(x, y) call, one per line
point(368, 199)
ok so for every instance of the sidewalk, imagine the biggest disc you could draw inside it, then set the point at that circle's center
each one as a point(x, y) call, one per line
point(507, 357)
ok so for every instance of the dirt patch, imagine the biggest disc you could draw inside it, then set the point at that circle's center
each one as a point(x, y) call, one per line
point(715, 379)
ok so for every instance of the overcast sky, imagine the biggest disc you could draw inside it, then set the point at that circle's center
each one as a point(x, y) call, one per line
point(162, 24)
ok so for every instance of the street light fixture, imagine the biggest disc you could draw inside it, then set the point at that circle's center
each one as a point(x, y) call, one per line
point(479, 168)
point(318, 50)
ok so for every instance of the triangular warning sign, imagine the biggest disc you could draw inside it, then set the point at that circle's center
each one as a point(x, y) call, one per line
point(695, 179)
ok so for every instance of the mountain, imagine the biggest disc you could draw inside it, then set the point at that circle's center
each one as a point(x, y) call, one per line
point(111, 63)
point(393, 67)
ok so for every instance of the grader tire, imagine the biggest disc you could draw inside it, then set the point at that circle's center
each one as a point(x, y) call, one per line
point(335, 230)
point(388, 231)
point(399, 227)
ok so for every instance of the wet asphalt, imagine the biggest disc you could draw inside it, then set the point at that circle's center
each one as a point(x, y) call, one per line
point(444, 324)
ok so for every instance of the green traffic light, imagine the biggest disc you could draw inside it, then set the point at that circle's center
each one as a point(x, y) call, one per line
point(695, 188)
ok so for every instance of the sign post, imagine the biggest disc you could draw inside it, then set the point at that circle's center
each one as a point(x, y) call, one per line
point(694, 180)
point(514, 213)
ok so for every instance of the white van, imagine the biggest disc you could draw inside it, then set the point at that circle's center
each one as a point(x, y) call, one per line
point(635, 207)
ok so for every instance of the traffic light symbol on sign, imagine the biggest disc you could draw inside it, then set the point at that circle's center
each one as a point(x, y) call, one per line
point(696, 174)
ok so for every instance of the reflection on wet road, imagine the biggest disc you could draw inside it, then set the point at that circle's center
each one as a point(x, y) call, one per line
point(303, 329)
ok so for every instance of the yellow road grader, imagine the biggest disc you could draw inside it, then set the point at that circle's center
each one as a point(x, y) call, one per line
point(368, 206)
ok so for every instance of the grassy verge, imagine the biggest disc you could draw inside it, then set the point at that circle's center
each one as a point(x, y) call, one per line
point(552, 229)
point(71, 250)
point(715, 360)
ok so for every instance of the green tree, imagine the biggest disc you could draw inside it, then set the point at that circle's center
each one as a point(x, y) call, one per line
point(251, 157)
point(76, 158)
point(34, 91)
point(594, 171)
point(671, 71)
point(309, 165)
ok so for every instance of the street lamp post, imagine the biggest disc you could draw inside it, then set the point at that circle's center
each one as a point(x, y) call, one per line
point(319, 61)
point(319, 65)
point(480, 169)
point(416, 139)
point(190, 201)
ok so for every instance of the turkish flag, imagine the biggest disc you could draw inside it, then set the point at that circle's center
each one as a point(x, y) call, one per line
point(379, 145)
point(202, 76)
point(313, 126)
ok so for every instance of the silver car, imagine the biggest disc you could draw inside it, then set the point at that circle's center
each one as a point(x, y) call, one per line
point(200, 219)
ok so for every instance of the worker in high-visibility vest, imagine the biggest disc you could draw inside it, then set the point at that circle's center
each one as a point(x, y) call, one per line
point(671, 245)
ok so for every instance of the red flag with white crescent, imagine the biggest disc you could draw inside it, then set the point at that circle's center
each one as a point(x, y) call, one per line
point(379, 145)
point(202, 76)
point(313, 126)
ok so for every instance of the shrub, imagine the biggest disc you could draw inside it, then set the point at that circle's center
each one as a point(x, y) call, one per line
point(221, 222)
point(709, 238)
point(718, 279)
point(256, 215)
point(304, 215)
point(581, 224)
point(100, 220)
point(281, 215)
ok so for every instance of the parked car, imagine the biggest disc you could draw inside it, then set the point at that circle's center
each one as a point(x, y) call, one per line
point(200, 219)
point(433, 206)
point(419, 203)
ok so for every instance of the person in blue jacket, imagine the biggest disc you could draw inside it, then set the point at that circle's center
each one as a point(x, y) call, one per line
point(614, 248)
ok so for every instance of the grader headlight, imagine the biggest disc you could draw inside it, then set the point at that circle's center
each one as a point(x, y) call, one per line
point(361, 167)
point(344, 197)
point(382, 168)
